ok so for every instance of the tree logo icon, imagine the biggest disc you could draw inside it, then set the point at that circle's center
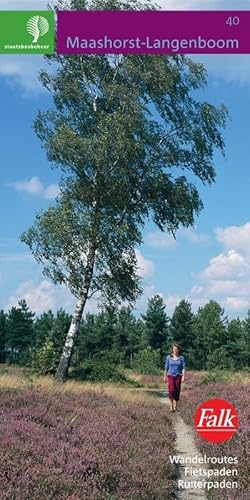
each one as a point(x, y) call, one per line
point(37, 26)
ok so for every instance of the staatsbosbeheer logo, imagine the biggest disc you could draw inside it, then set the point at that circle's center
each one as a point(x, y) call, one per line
point(27, 32)
point(37, 26)
point(216, 420)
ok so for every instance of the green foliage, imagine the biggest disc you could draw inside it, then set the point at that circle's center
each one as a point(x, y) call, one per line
point(236, 344)
point(60, 238)
point(112, 357)
point(42, 327)
point(124, 130)
point(97, 371)
point(219, 358)
point(44, 359)
point(126, 335)
point(96, 334)
point(112, 335)
point(3, 370)
point(215, 375)
point(59, 329)
point(210, 327)
point(244, 342)
point(19, 333)
point(3, 325)
point(181, 327)
point(147, 362)
point(50, 338)
point(155, 325)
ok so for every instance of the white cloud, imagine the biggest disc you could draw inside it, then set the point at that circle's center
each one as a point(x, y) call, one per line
point(38, 297)
point(148, 292)
point(236, 237)
point(227, 266)
point(197, 302)
point(220, 287)
point(22, 71)
point(145, 266)
point(237, 303)
point(32, 186)
point(171, 301)
point(226, 278)
point(35, 187)
point(196, 299)
point(42, 296)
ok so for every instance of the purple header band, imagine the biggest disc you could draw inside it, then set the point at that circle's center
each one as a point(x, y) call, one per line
point(153, 32)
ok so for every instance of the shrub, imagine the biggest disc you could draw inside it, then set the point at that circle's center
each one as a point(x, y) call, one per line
point(213, 376)
point(97, 371)
point(45, 359)
point(112, 357)
point(219, 357)
point(3, 370)
point(147, 362)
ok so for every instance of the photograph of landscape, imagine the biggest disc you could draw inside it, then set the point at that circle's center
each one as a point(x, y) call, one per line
point(124, 268)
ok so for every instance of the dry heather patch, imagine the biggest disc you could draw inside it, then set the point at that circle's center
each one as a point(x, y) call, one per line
point(17, 378)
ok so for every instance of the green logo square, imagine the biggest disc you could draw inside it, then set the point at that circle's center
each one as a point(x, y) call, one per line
point(27, 32)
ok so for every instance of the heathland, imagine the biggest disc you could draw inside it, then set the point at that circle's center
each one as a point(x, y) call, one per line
point(104, 441)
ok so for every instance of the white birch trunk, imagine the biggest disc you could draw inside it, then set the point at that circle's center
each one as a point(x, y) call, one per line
point(63, 367)
point(62, 370)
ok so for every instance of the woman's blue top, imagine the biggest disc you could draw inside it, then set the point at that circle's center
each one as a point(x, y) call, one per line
point(175, 366)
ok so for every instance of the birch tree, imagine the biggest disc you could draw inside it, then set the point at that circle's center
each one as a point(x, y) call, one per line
point(89, 250)
point(130, 139)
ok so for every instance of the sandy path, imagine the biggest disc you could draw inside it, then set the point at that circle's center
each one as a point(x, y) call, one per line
point(185, 446)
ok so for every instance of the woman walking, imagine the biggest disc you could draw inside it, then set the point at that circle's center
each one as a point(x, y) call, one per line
point(175, 374)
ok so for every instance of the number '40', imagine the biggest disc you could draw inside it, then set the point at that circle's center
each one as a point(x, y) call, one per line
point(233, 21)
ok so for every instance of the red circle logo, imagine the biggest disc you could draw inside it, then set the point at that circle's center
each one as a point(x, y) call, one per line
point(216, 420)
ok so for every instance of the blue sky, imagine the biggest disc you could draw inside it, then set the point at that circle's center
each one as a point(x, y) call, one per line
point(210, 261)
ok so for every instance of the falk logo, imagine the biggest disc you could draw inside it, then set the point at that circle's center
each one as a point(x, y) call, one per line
point(37, 26)
point(216, 420)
